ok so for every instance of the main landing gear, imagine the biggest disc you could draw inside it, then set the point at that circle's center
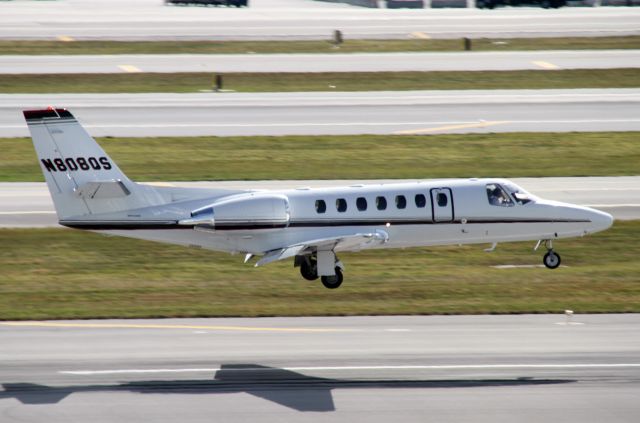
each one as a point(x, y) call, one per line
point(309, 269)
point(551, 259)
point(332, 282)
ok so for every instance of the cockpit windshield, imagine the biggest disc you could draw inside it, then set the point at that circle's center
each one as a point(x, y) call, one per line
point(521, 196)
point(505, 193)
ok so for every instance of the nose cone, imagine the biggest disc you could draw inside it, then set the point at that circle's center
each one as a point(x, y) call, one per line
point(599, 220)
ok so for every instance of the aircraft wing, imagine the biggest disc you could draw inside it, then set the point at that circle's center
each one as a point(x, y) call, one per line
point(353, 242)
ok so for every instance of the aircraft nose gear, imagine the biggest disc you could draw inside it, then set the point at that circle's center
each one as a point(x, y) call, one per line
point(332, 282)
point(551, 259)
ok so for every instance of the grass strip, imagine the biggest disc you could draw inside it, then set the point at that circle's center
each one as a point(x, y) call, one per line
point(66, 274)
point(329, 81)
point(44, 47)
point(354, 156)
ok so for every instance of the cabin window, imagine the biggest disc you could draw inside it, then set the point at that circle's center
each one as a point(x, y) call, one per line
point(361, 203)
point(421, 201)
point(442, 199)
point(498, 196)
point(401, 201)
point(321, 206)
point(381, 203)
point(341, 205)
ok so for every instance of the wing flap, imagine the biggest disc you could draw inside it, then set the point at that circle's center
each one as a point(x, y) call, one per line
point(280, 254)
point(353, 242)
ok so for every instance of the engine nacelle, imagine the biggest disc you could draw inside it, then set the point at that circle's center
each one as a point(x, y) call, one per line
point(251, 211)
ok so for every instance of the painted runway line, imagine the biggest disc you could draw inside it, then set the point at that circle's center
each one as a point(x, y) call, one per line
point(351, 368)
point(545, 65)
point(484, 124)
point(130, 68)
point(452, 125)
point(18, 213)
point(165, 326)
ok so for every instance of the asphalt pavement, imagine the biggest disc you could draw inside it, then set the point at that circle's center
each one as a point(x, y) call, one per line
point(28, 204)
point(329, 113)
point(582, 368)
point(332, 62)
point(525, 368)
point(297, 19)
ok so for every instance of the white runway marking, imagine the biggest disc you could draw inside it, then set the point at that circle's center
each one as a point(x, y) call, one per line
point(11, 213)
point(283, 124)
point(312, 124)
point(545, 65)
point(482, 124)
point(130, 68)
point(611, 205)
point(81, 325)
point(332, 368)
point(419, 35)
point(163, 100)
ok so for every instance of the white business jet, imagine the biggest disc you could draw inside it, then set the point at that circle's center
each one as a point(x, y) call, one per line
point(309, 225)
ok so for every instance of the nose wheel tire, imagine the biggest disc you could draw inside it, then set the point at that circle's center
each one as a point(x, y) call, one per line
point(332, 282)
point(551, 260)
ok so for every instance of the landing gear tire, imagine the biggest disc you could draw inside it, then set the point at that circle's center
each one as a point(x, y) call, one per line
point(551, 260)
point(309, 269)
point(332, 282)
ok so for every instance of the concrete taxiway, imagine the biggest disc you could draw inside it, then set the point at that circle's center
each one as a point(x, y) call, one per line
point(525, 368)
point(327, 113)
point(297, 19)
point(333, 62)
point(24, 204)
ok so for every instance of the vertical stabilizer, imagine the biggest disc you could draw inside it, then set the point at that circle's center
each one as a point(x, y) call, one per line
point(82, 178)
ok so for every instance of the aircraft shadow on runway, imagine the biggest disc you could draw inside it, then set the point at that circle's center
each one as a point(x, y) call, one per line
point(287, 388)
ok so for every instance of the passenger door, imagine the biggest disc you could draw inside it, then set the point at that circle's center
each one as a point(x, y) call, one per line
point(442, 205)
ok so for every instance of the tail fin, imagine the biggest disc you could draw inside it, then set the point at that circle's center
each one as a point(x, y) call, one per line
point(82, 178)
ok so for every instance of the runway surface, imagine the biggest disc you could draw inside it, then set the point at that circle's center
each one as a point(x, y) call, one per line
point(322, 113)
point(333, 62)
point(26, 204)
point(297, 19)
point(526, 368)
